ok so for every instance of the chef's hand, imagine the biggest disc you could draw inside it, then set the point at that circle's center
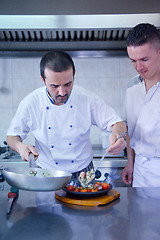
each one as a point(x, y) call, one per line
point(25, 149)
point(127, 174)
point(117, 145)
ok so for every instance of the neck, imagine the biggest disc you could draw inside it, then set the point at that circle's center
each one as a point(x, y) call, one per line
point(150, 83)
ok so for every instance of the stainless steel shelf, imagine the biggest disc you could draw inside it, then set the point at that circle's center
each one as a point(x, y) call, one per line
point(111, 163)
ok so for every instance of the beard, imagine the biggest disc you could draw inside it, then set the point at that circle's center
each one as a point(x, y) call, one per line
point(61, 99)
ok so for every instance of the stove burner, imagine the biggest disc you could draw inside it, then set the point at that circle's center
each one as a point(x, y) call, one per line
point(6, 152)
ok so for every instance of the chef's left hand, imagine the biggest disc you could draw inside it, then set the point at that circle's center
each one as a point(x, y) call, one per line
point(116, 145)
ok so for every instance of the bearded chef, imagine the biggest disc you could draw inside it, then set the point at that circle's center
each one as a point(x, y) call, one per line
point(59, 116)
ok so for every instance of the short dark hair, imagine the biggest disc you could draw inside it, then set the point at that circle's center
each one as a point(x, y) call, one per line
point(58, 61)
point(143, 33)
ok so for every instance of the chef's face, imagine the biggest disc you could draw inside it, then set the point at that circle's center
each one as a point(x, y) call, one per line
point(146, 60)
point(59, 84)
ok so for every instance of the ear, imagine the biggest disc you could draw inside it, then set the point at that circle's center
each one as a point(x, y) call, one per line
point(43, 80)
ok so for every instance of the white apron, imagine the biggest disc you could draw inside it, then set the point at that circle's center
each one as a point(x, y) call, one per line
point(143, 119)
point(146, 172)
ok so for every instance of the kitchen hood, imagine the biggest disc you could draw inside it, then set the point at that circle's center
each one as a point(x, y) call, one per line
point(97, 28)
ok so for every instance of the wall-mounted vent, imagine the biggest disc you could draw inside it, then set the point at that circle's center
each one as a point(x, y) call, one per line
point(67, 39)
point(69, 32)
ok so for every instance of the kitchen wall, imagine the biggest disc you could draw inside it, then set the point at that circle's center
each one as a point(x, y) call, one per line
point(108, 77)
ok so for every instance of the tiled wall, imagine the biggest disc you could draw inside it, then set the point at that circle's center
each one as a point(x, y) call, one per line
point(108, 77)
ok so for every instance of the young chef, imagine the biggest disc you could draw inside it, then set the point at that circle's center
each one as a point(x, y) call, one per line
point(142, 108)
point(60, 115)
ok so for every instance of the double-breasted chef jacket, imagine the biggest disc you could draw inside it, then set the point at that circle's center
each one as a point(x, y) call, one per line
point(62, 133)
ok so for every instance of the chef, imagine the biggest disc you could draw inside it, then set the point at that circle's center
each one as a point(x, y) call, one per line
point(142, 108)
point(59, 116)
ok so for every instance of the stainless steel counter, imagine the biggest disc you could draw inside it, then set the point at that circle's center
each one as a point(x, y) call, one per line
point(136, 215)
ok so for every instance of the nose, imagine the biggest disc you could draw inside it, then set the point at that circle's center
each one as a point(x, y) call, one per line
point(139, 66)
point(61, 91)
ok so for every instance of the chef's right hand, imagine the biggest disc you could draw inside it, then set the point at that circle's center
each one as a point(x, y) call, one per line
point(25, 149)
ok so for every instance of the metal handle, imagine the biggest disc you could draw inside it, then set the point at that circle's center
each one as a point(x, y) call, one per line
point(99, 163)
point(12, 198)
point(32, 162)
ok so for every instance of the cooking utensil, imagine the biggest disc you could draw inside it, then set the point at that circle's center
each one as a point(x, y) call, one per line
point(12, 197)
point(36, 179)
point(32, 162)
point(85, 178)
point(43, 180)
point(88, 194)
point(105, 153)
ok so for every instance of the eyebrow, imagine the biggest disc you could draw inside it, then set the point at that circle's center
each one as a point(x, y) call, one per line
point(59, 85)
point(138, 59)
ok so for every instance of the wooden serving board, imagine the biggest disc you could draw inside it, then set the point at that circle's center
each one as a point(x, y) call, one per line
point(96, 201)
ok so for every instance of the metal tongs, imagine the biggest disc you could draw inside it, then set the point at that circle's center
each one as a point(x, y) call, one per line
point(85, 178)
point(105, 153)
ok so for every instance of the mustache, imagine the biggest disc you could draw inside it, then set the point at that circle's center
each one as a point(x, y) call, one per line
point(62, 96)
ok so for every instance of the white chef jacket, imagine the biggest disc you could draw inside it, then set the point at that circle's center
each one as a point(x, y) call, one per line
point(62, 132)
point(143, 119)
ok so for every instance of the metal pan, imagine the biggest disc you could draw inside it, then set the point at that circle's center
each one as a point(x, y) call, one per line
point(36, 179)
point(88, 194)
point(44, 180)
